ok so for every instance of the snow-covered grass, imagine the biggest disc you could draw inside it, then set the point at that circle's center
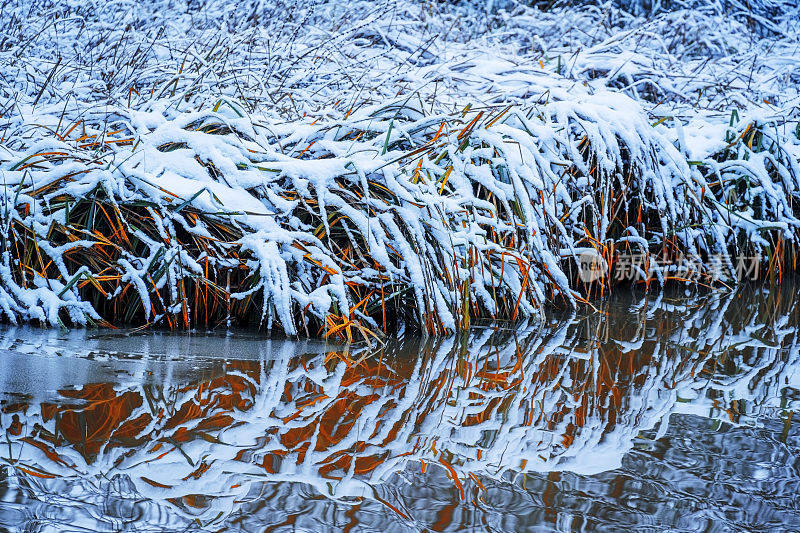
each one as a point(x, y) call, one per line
point(349, 168)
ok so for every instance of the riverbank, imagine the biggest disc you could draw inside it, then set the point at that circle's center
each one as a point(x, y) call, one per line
point(349, 170)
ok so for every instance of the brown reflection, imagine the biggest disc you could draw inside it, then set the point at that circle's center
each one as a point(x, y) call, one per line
point(571, 395)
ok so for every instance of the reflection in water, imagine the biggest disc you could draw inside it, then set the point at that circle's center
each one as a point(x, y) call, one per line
point(668, 413)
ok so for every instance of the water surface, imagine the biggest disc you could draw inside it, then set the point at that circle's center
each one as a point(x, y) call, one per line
point(653, 413)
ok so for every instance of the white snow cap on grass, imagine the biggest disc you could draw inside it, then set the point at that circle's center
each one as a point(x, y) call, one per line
point(323, 166)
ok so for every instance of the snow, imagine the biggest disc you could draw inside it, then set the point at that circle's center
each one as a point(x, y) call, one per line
point(459, 152)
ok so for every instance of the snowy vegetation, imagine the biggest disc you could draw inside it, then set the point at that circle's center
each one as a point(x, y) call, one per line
point(349, 168)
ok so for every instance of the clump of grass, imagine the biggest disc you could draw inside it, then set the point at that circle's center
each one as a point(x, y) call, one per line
point(387, 216)
point(311, 209)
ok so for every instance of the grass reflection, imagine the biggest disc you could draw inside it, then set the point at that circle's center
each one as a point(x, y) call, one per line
point(572, 394)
